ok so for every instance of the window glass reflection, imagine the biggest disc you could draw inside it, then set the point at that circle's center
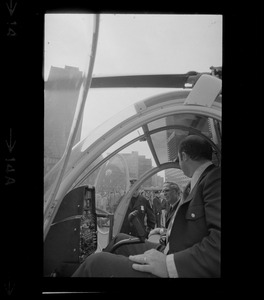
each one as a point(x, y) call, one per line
point(67, 46)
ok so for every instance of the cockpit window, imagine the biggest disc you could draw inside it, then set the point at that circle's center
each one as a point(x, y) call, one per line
point(127, 44)
point(67, 52)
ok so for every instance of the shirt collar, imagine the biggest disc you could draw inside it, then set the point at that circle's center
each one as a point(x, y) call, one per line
point(198, 172)
point(172, 205)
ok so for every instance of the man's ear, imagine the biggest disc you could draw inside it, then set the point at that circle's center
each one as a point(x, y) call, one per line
point(184, 156)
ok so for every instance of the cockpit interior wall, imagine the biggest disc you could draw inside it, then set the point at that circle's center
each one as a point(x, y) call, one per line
point(73, 235)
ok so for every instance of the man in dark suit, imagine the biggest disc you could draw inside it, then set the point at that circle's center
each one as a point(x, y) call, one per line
point(141, 206)
point(193, 247)
point(157, 207)
point(172, 194)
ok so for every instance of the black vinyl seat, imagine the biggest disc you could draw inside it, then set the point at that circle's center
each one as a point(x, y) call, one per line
point(135, 221)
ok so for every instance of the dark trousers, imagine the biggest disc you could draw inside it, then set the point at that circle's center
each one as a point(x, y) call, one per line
point(105, 264)
point(158, 219)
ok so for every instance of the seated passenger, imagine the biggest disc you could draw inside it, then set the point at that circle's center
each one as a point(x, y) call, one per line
point(172, 194)
point(193, 236)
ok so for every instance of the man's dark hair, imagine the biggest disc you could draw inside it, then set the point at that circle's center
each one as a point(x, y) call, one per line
point(196, 147)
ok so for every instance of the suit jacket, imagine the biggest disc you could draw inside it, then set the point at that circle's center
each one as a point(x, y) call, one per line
point(157, 206)
point(195, 238)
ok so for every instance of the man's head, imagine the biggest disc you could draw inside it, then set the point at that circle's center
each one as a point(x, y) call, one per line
point(171, 192)
point(136, 192)
point(193, 151)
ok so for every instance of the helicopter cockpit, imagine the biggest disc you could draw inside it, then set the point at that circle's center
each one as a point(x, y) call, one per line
point(87, 190)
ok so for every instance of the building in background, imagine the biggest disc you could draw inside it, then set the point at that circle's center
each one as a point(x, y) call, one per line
point(173, 140)
point(138, 165)
point(177, 176)
point(60, 100)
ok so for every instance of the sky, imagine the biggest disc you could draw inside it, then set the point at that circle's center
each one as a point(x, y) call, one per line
point(135, 44)
point(131, 44)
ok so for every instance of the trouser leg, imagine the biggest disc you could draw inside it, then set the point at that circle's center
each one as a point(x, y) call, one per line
point(106, 264)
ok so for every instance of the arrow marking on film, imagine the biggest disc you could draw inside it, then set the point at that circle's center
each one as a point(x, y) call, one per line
point(10, 145)
point(10, 7)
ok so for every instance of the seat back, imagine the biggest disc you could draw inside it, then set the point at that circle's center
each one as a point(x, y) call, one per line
point(135, 221)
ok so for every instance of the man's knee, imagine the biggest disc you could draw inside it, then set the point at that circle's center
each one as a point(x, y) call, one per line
point(97, 264)
point(94, 265)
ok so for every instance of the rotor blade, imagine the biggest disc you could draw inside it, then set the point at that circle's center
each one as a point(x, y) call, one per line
point(131, 81)
point(158, 81)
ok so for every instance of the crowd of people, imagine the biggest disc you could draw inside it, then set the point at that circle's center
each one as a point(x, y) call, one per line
point(154, 203)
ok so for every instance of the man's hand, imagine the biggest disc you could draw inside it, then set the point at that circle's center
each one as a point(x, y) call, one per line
point(160, 231)
point(152, 261)
point(134, 213)
point(154, 231)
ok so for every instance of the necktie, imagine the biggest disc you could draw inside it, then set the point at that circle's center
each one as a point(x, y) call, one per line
point(169, 213)
point(168, 233)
